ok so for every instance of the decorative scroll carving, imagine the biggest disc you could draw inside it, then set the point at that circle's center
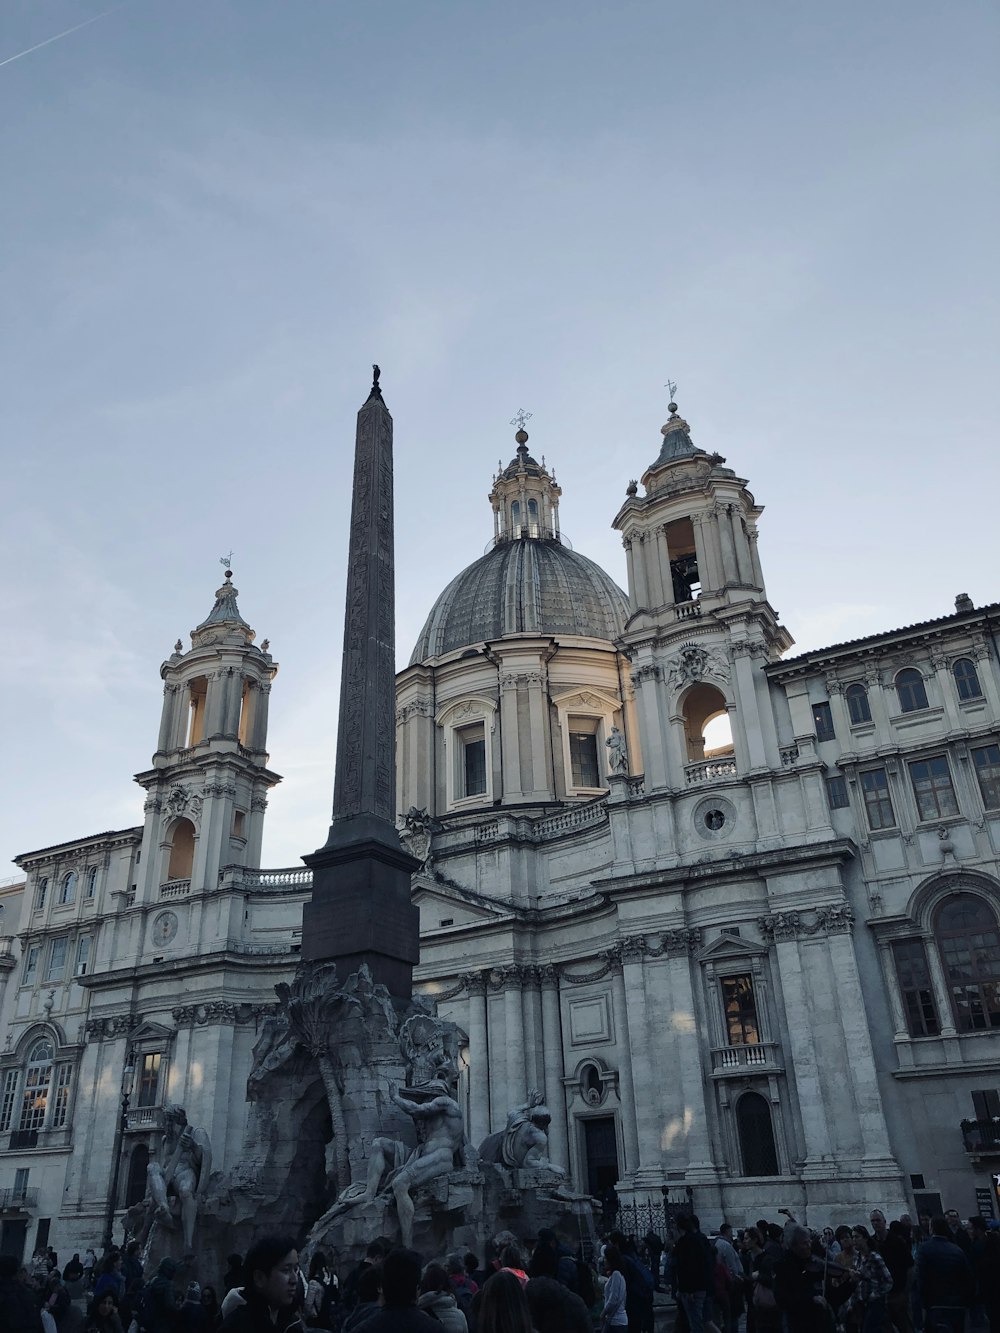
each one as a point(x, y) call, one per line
point(693, 663)
point(115, 1025)
point(648, 671)
point(831, 919)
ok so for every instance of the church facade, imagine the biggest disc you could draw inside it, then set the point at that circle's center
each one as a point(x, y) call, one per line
point(733, 911)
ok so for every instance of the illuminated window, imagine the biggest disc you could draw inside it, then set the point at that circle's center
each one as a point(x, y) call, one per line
point(149, 1079)
point(37, 1077)
point(740, 1005)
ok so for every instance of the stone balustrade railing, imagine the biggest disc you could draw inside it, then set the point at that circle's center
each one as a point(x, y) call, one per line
point(175, 888)
point(687, 610)
point(291, 880)
point(710, 770)
point(741, 1059)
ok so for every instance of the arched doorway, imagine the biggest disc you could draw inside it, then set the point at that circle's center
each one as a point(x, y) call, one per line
point(135, 1188)
point(181, 860)
point(707, 732)
point(756, 1131)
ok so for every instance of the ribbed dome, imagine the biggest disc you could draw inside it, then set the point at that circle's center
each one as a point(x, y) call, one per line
point(528, 586)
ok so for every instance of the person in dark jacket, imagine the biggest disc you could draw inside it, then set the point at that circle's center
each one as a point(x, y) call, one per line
point(19, 1306)
point(399, 1312)
point(270, 1289)
point(944, 1273)
point(156, 1307)
point(798, 1285)
point(694, 1272)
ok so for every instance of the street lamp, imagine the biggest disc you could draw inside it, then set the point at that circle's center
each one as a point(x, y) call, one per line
point(128, 1073)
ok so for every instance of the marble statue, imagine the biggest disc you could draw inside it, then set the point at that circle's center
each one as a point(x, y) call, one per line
point(183, 1173)
point(524, 1143)
point(617, 753)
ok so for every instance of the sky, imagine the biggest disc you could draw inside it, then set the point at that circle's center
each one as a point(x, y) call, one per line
point(216, 214)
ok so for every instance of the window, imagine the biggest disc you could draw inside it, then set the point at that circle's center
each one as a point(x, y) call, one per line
point(91, 881)
point(740, 1005)
point(7, 1098)
point(878, 803)
point(515, 518)
point(37, 1077)
point(60, 1096)
point(914, 979)
point(472, 761)
point(40, 894)
point(966, 679)
point(583, 759)
point(911, 691)
point(239, 824)
point(31, 956)
point(932, 787)
point(135, 1188)
point(987, 761)
point(969, 941)
point(986, 1104)
point(753, 1121)
point(858, 707)
point(149, 1079)
point(21, 1176)
point(823, 722)
point(67, 888)
point(82, 956)
point(57, 959)
point(533, 518)
point(197, 699)
point(836, 792)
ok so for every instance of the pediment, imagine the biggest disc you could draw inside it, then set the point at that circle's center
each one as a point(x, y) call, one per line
point(586, 697)
point(725, 947)
point(443, 902)
point(151, 1032)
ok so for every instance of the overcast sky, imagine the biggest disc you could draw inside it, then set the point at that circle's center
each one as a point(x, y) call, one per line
point(217, 213)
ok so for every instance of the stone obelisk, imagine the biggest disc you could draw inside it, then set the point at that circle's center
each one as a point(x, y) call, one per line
point(361, 910)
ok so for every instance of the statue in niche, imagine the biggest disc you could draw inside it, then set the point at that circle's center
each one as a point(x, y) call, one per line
point(182, 1174)
point(524, 1143)
point(617, 753)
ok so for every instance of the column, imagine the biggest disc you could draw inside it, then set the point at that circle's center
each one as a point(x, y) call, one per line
point(804, 1056)
point(724, 528)
point(642, 600)
point(946, 686)
point(648, 699)
point(626, 1092)
point(510, 758)
point(690, 1067)
point(540, 750)
point(755, 565)
point(838, 710)
point(740, 545)
point(629, 568)
point(647, 1100)
point(939, 984)
point(258, 737)
point(708, 565)
point(479, 1060)
point(899, 1025)
point(746, 699)
point(552, 1063)
point(514, 1031)
point(876, 703)
point(165, 741)
point(660, 581)
point(215, 703)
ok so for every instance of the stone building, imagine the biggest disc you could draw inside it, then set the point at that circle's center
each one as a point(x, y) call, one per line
point(734, 911)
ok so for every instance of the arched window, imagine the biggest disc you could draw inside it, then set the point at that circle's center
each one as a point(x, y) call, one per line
point(181, 850)
point(35, 1094)
point(67, 888)
point(966, 679)
point(533, 518)
point(135, 1188)
point(911, 691)
point(91, 881)
point(41, 892)
point(857, 704)
point(515, 519)
point(703, 706)
point(197, 699)
point(969, 940)
point(753, 1120)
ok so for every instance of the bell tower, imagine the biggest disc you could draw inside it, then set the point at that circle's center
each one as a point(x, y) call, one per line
point(207, 789)
point(700, 623)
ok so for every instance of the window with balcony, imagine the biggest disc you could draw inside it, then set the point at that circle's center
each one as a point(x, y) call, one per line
point(966, 679)
point(740, 1008)
point(969, 941)
point(149, 1079)
point(987, 762)
point(986, 1104)
point(932, 788)
point(57, 958)
point(910, 691)
point(878, 802)
point(823, 722)
point(913, 975)
point(858, 707)
point(67, 888)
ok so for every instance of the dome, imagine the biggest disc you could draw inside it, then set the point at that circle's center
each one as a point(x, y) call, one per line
point(529, 586)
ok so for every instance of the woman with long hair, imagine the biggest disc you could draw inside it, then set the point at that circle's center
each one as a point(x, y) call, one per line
point(613, 1314)
point(102, 1314)
point(504, 1306)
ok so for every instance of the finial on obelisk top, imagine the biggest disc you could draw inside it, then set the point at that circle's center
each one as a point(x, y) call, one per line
point(376, 392)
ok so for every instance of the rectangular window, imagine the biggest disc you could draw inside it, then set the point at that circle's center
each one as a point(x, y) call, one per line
point(836, 793)
point(740, 1005)
point(31, 955)
point(57, 959)
point(823, 722)
point(473, 754)
point(91, 881)
point(878, 803)
point(7, 1098)
point(40, 894)
point(149, 1079)
point(932, 787)
point(21, 1176)
point(239, 824)
point(583, 759)
point(986, 1104)
point(914, 980)
point(82, 956)
point(60, 1095)
point(35, 1097)
point(987, 761)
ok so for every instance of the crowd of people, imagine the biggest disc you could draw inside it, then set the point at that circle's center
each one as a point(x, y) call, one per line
point(939, 1276)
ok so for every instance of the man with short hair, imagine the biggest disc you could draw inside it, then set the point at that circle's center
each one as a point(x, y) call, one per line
point(944, 1274)
point(880, 1228)
point(270, 1289)
point(694, 1271)
point(957, 1232)
point(798, 1284)
point(400, 1313)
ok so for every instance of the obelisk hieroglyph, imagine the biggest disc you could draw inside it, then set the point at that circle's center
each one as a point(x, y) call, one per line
point(360, 910)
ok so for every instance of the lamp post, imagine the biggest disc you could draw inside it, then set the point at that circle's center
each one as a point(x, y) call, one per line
point(128, 1073)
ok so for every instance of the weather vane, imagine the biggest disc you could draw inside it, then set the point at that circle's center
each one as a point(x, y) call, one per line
point(226, 560)
point(671, 388)
point(520, 418)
